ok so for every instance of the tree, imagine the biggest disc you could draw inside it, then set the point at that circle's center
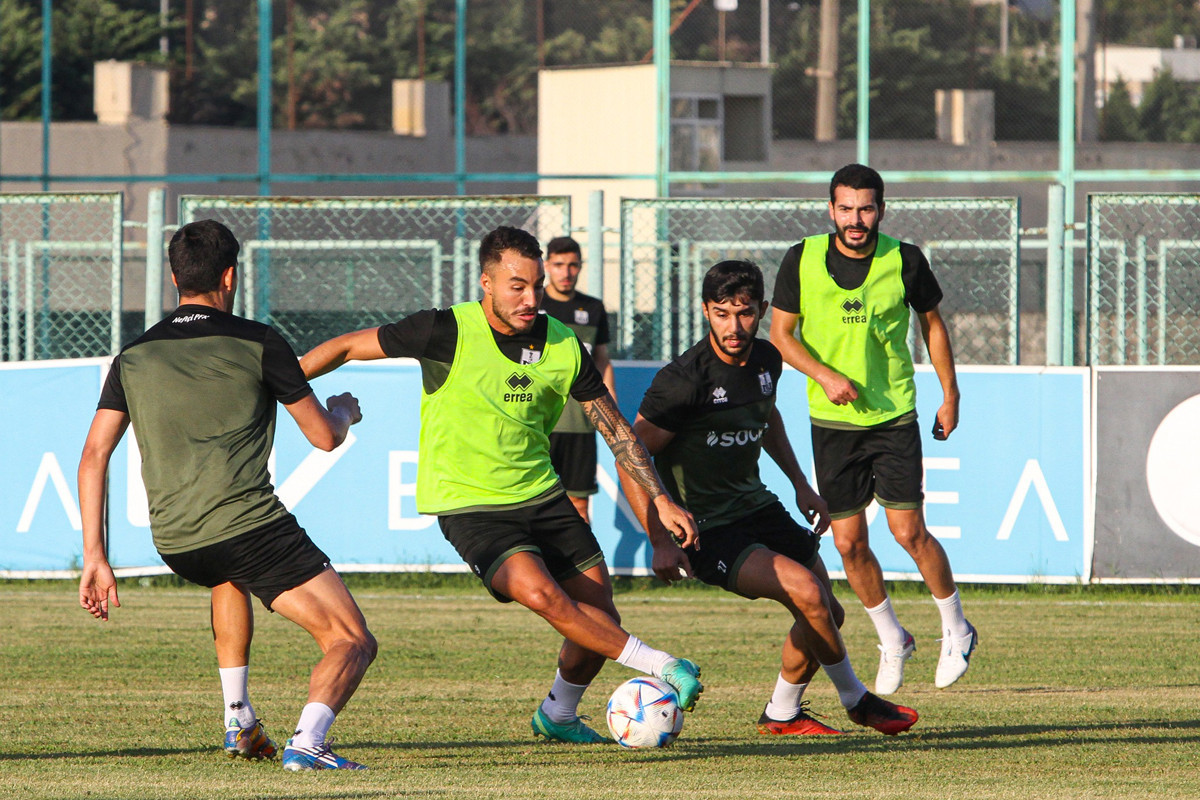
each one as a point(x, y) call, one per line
point(1119, 119)
point(20, 60)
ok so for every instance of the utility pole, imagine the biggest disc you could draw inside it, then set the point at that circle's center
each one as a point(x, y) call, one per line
point(826, 73)
point(1087, 121)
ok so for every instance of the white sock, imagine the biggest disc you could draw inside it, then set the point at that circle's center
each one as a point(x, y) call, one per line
point(314, 724)
point(891, 633)
point(562, 704)
point(237, 696)
point(849, 688)
point(644, 658)
point(785, 700)
point(952, 614)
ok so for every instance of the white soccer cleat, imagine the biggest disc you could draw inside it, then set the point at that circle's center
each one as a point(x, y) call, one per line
point(890, 677)
point(956, 657)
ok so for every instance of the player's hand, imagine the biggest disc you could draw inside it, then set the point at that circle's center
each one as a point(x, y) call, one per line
point(838, 388)
point(814, 508)
point(98, 588)
point(947, 415)
point(678, 522)
point(346, 401)
point(670, 563)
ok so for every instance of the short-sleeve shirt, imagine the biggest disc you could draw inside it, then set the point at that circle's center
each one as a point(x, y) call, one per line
point(585, 315)
point(200, 389)
point(431, 337)
point(921, 290)
point(718, 413)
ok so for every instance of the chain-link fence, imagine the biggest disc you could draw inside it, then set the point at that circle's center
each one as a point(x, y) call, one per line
point(60, 264)
point(1143, 279)
point(317, 267)
point(667, 245)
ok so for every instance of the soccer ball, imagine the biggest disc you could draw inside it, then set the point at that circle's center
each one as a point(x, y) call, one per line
point(644, 712)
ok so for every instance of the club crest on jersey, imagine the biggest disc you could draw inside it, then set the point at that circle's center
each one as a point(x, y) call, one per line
point(518, 382)
point(582, 317)
point(719, 395)
point(530, 356)
point(765, 383)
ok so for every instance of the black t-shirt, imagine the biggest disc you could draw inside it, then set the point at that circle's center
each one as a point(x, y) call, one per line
point(718, 413)
point(431, 336)
point(583, 314)
point(921, 290)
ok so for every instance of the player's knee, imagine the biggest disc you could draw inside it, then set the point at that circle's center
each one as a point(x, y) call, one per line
point(852, 548)
point(545, 601)
point(910, 537)
point(839, 613)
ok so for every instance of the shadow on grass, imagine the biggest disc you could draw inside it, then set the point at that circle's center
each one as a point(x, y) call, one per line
point(857, 741)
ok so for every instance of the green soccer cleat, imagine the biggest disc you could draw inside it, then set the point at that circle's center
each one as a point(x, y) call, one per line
point(684, 677)
point(574, 732)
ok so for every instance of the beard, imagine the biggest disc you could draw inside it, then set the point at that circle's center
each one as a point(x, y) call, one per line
point(868, 242)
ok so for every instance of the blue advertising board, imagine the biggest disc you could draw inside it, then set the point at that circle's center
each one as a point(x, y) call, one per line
point(1007, 495)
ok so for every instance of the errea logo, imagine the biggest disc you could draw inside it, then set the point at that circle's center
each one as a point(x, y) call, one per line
point(719, 395)
point(853, 308)
point(518, 382)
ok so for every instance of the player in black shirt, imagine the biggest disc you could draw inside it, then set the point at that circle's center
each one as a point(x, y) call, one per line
point(200, 390)
point(573, 441)
point(706, 418)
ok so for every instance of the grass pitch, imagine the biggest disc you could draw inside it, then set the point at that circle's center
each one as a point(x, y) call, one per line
point(1074, 693)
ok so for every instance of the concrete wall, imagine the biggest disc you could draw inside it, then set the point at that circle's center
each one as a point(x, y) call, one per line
point(155, 148)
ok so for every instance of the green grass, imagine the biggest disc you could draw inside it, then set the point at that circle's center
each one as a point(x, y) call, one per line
point(1074, 693)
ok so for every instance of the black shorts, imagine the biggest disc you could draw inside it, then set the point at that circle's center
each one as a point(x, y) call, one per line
point(854, 466)
point(553, 530)
point(724, 549)
point(267, 561)
point(573, 456)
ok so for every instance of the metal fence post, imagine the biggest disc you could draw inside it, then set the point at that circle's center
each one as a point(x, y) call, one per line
point(154, 257)
point(595, 237)
point(1055, 231)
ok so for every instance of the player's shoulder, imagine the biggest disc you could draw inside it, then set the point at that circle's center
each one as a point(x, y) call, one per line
point(195, 321)
point(766, 354)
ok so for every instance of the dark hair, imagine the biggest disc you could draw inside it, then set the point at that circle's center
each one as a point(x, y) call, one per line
point(505, 238)
point(857, 176)
point(563, 244)
point(732, 280)
point(199, 252)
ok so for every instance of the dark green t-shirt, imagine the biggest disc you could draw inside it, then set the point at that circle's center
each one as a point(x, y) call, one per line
point(718, 413)
point(200, 390)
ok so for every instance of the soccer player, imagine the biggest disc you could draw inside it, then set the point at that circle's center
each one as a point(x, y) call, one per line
point(706, 419)
point(496, 375)
point(573, 441)
point(200, 390)
point(849, 293)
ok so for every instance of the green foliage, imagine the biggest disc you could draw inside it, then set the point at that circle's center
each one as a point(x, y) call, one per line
point(1119, 119)
point(1150, 23)
point(1170, 110)
point(20, 60)
point(83, 32)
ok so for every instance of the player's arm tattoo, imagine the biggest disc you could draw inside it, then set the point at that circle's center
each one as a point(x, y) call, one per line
point(628, 450)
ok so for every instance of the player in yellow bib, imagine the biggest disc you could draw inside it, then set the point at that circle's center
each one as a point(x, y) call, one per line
point(849, 295)
point(496, 375)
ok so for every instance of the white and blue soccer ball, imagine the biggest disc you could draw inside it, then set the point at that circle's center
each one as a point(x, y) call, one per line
point(644, 712)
